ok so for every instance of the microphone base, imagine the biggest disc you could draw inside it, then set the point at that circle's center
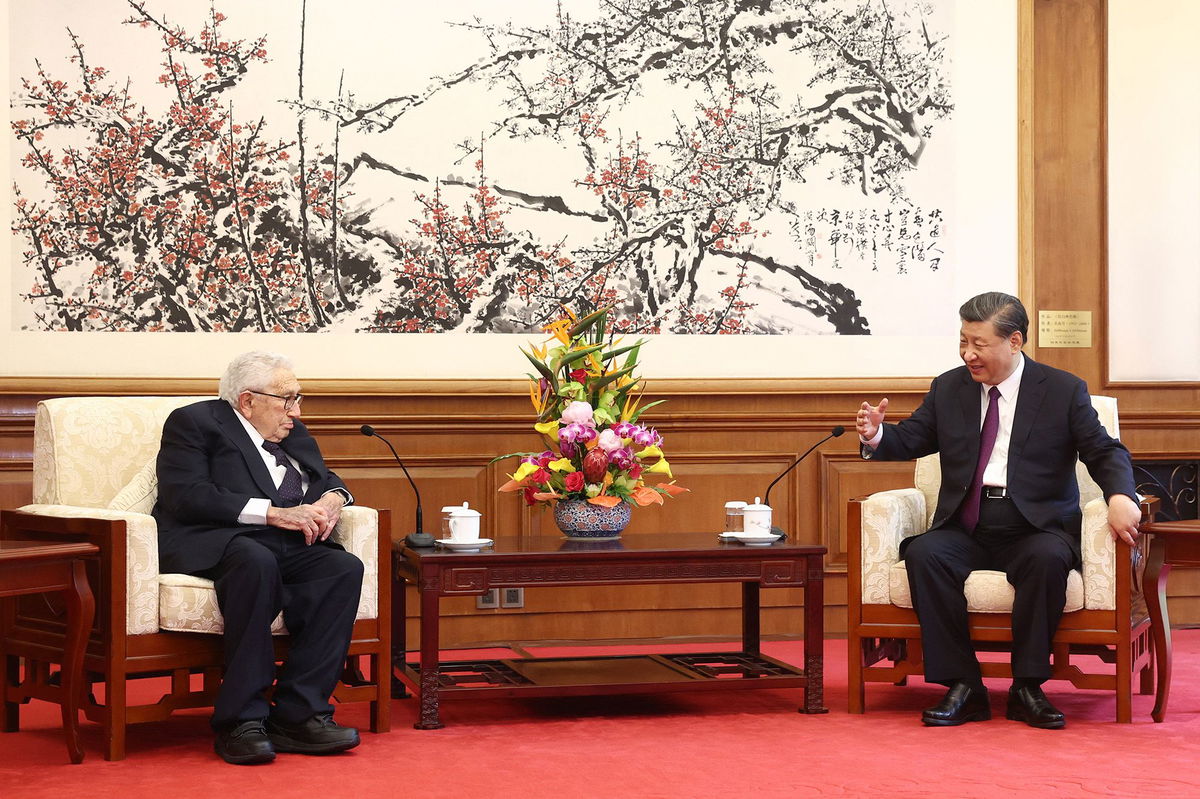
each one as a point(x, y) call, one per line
point(418, 540)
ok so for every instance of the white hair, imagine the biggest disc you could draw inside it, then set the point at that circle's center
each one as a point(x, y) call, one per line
point(251, 371)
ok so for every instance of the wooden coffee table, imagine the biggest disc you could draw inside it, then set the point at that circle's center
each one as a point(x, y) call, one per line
point(632, 559)
point(1174, 544)
point(34, 567)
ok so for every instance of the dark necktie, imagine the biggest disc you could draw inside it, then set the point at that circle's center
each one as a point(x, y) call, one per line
point(291, 490)
point(969, 513)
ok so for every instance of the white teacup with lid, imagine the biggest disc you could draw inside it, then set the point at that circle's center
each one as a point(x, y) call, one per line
point(464, 523)
point(756, 518)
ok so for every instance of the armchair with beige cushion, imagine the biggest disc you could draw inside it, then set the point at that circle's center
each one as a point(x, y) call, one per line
point(94, 479)
point(1105, 616)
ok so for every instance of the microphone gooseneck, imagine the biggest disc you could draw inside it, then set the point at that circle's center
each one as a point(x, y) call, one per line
point(834, 433)
point(419, 538)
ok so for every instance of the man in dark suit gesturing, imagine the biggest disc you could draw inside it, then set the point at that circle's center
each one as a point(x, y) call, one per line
point(1008, 431)
point(245, 499)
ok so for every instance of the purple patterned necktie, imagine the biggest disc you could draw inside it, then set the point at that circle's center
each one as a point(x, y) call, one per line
point(969, 512)
point(291, 490)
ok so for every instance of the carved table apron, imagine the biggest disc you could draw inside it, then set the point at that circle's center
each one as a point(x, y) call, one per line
point(632, 559)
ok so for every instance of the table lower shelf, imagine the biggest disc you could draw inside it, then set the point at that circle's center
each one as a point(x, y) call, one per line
point(613, 674)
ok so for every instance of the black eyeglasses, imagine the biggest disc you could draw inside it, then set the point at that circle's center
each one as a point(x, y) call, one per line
point(290, 401)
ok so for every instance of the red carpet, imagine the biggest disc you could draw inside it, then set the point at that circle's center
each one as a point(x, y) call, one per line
point(750, 743)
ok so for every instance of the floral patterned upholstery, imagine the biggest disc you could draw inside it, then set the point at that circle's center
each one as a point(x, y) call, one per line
point(890, 516)
point(95, 457)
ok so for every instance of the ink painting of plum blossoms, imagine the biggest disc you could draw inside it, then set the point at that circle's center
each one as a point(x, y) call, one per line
point(704, 167)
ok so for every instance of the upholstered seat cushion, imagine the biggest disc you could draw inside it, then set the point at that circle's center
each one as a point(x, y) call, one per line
point(987, 591)
point(189, 604)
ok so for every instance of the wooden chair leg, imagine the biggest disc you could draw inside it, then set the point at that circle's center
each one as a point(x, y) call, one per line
point(12, 710)
point(1124, 684)
point(115, 716)
point(856, 690)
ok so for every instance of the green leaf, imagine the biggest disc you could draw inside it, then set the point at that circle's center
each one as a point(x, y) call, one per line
point(633, 355)
point(634, 416)
point(543, 370)
point(512, 455)
point(621, 351)
point(575, 355)
point(610, 378)
point(587, 321)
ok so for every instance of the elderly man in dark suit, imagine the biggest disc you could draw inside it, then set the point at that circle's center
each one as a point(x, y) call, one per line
point(1008, 431)
point(245, 499)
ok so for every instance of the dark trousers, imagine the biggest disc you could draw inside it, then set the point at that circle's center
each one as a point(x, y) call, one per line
point(1036, 564)
point(260, 573)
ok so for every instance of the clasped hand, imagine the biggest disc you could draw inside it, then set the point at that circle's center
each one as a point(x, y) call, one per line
point(315, 521)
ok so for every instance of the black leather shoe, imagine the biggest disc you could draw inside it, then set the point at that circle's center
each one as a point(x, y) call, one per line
point(1030, 705)
point(316, 735)
point(960, 705)
point(245, 744)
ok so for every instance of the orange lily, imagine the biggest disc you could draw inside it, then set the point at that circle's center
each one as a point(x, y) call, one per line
point(605, 501)
point(672, 489)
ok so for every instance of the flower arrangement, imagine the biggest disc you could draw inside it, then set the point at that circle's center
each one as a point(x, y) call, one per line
point(587, 401)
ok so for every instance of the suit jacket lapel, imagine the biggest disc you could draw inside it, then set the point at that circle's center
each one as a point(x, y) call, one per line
point(1029, 402)
point(236, 434)
point(971, 418)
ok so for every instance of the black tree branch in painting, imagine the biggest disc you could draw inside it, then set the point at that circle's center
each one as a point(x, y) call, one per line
point(675, 210)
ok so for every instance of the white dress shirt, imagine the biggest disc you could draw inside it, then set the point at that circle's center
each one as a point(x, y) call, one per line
point(996, 471)
point(255, 511)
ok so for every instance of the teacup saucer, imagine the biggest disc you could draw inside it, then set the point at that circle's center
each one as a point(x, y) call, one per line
point(464, 546)
point(751, 539)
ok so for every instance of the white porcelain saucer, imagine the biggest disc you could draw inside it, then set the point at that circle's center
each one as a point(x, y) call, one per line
point(751, 539)
point(464, 546)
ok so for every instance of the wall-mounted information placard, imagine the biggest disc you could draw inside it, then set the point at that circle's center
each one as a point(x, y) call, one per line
point(1064, 329)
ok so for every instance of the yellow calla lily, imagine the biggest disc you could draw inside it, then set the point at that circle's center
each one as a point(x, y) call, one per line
point(662, 467)
point(562, 465)
point(549, 428)
point(525, 470)
point(650, 452)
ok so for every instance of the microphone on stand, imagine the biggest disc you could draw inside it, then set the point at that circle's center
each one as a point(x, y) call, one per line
point(419, 538)
point(834, 433)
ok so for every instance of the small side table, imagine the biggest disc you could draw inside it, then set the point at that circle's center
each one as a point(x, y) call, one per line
point(1174, 544)
point(34, 567)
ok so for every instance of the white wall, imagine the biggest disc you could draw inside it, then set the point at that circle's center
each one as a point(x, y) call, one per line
point(1154, 190)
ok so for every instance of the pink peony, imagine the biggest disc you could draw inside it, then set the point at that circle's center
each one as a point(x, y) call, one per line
point(609, 441)
point(577, 413)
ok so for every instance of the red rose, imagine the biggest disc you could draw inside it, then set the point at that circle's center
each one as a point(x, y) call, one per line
point(595, 464)
point(579, 375)
point(541, 477)
point(574, 481)
point(635, 471)
point(529, 500)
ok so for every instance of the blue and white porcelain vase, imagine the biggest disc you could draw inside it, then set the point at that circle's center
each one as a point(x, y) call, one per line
point(578, 518)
